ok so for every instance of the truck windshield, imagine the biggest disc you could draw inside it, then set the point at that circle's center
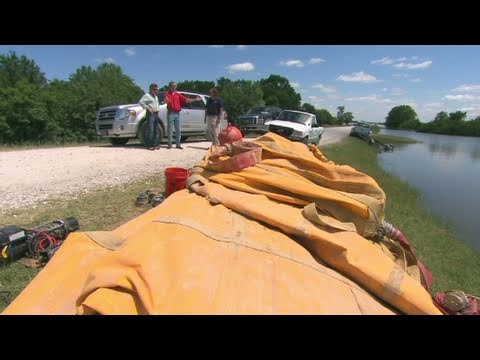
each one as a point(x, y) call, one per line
point(293, 117)
point(256, 110)
point(363, 125)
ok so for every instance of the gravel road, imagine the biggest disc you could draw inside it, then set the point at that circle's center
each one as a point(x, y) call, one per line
point(28, 177)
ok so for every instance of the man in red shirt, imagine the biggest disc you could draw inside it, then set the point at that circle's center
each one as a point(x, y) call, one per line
point(174, 101)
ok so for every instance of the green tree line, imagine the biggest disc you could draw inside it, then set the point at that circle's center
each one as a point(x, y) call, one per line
point(36, 110)
point(454, 123)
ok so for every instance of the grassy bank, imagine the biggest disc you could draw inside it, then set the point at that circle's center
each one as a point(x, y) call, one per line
point(454, 265)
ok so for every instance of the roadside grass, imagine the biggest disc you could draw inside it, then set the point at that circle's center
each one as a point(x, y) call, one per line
point(387, 139)
point(97, 210)
point(453, 264)
point(36, 146)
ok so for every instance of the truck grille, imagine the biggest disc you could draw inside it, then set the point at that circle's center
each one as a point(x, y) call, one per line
point(246, 121)
point(280, 130)
point(105, 126)
point(106, 115)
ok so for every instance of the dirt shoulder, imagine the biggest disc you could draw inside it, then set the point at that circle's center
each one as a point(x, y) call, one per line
point(28, 177)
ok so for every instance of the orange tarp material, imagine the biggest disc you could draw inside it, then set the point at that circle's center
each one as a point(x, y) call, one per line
point(285, 236)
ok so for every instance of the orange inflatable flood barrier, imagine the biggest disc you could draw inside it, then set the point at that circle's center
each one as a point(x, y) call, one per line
point(292, 234)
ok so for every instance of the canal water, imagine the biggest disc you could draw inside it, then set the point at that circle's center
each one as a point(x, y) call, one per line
point(446, 170)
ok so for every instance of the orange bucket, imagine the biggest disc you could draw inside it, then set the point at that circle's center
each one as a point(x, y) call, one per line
point(174, 180)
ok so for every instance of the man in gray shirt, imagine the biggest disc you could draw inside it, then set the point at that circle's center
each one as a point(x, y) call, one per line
point(149, 101)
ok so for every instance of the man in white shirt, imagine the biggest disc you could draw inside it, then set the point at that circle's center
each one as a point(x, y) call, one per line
point(149, 101)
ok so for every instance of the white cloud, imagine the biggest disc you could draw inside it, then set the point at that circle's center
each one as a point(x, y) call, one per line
point(371, 98)
point(385, 89)
point(466, 88)
point(461, 97)
point(333, 96)
point(315, 98)
point(383, 61)
point(315, 101)
point(416, 80)
point(241, 47)
point(389, 61)
point(216, 46)
point(130, 51)
point(410, 66)
point(468, 108)
point(434, 104)
point(246, 66)
point(297, 63)
point(325, 88)
point(316, 60)
point(358, 77)
point(294, 84)
point(108, 60)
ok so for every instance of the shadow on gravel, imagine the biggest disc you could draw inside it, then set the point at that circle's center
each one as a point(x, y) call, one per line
point(163, 144)
point(198, 147)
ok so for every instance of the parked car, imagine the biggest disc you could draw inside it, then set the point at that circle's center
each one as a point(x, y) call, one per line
point(120, 123)
point(254, 120)
point(361, 129)
point(297, 126)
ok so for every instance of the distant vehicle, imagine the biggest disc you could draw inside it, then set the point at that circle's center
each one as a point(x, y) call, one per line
point(297, 126)
point(120, 123)
point(361, 129)
point(254, 120)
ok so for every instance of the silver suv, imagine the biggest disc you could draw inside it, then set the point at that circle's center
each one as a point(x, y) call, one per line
point(362, 130)
point(120, 123)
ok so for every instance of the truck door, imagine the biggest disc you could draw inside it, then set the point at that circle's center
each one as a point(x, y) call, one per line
point(315, 129)
point(193, 115)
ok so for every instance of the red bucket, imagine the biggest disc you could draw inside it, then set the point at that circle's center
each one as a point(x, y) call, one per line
point(174, 180)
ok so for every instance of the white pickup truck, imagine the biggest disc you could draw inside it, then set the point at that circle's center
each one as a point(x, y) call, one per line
point(297, 126)
point(121, 123)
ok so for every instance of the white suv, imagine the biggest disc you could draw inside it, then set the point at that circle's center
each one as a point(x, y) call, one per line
point(120, 123)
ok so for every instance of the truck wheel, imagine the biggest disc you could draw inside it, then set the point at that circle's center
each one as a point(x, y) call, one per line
point(119, 141)
point(305, 140)
point(319, 138)
point(143, 131)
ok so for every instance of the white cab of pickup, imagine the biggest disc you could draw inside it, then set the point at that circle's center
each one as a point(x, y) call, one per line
point(297, 126)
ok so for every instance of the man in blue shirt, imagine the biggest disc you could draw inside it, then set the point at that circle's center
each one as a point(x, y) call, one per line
point(214, 115)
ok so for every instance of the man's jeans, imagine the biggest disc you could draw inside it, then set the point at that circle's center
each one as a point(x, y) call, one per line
point(152, 137)
point(173, 118)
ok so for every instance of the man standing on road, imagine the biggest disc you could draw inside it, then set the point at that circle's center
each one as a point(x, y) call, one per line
point(149, 101)
point(174, 101)
point(214, 115)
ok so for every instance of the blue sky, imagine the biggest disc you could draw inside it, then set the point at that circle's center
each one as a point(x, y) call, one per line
point(367, 79)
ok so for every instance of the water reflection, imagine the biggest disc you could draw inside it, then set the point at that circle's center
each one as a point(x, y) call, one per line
point(443, 144)
point(446, 171)
point(448, 149)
